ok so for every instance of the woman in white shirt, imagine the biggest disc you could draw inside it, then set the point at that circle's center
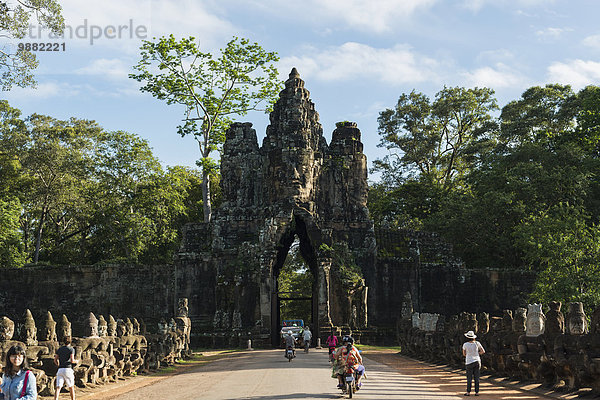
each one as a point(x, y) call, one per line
point(472, 350)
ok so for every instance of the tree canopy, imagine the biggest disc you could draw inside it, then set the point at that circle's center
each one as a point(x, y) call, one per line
point(17, 65)
point(72, 192)
point(211, 89)
point(524, 188)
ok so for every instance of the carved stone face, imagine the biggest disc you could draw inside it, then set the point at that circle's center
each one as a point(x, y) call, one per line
point(64, 329)
point(577, 320)
point(102, 327)
point(483, 323)
point(535, 320)
point(507, 319)
point(129, 326)
point(91, 326)
point(136, 327)
point(519, 320)
point(29, 330)
point(121, 328)
point(48, 332)
point(112, 326)
point(577, 324)
point(7, 329)
point(163, 327)
point(182, 307)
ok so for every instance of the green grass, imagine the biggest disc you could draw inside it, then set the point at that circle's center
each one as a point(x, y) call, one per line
point(166, 370)
point(367, 347)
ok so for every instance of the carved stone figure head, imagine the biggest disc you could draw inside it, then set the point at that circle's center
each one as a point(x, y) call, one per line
point(555, 320)
point(136, 327)
point(90, 326)
point(129, 327)
point(496, 324)
point(64, 328)
point(483, 323)
point(577, 320)
point(102, 327)
point(471, 322)
point(163, 327)
point(48, 330)
point(121, 328)
point(519, 320)
point(507, 320)
point(407, 307)
point(536, 320)
point(7, 329)
point(29, 331)
point(595, 328)
point(112, 326)
point(182, 307)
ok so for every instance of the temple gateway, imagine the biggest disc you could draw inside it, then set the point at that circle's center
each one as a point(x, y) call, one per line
point(294, 186)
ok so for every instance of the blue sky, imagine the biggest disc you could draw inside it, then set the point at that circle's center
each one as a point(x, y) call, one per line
point(356, 57)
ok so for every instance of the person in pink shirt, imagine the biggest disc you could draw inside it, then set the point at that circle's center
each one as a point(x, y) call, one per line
point(331, 342)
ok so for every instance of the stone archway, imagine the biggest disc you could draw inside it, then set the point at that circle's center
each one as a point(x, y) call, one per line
point(294, 184)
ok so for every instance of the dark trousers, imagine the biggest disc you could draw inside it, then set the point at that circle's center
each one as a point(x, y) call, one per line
point(473, 372)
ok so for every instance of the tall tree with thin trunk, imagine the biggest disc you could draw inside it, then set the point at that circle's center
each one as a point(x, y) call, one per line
point(212, 90)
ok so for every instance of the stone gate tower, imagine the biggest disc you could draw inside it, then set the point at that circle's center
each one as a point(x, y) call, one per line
point(295, 185)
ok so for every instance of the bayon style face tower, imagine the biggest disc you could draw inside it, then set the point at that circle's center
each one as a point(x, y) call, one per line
point(294, 186)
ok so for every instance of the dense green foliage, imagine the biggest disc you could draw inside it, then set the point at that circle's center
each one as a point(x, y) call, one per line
point(71, 192)
point(515, 190)
point(211, 90)
point(295, 277)
point(16, 66)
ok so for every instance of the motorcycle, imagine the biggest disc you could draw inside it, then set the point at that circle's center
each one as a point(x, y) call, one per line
point(289, 353)
point(350, 379)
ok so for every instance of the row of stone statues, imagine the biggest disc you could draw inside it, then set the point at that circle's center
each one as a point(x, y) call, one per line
point(526, 344)
point(108, 350)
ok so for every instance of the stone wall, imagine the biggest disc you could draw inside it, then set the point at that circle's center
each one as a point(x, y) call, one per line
point(141, 291)
point(107, 350)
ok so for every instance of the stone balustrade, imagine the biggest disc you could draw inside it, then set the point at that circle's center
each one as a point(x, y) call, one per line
point(523, 344)
point(109, 349)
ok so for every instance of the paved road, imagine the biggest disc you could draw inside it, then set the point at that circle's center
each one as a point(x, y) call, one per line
point(267, 375)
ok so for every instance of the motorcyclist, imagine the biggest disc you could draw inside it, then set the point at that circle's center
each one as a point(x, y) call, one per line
point(290, 342)
point(307, 335)
point(346, 357)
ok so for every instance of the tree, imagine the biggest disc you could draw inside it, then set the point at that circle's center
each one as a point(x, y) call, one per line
point(564, 249)
point(211, 89)
point(16, 66)
point(436, 141)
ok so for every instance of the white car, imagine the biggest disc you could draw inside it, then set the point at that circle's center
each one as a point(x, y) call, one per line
point(294, 329)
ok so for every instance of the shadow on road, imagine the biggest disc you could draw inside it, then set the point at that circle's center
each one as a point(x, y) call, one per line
point(290, 396)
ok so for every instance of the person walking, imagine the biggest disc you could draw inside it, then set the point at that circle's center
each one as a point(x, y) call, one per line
point(306, 336)
point(18, 382)
point(65, 359)
point(472, 351)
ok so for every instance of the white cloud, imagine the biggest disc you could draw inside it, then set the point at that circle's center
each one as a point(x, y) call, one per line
point(122, 25)
point(552, 33)
point(396, 65)
point(43, 91)
point(592, 41)
point(498, 76)
point(374, 15)
point(111, 68)
point(476, 5)
point(578, 73)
